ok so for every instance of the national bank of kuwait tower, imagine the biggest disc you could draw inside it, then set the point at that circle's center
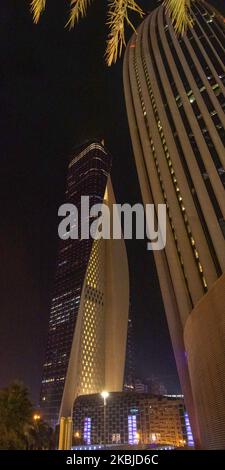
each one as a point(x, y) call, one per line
point(89, 310)
point(175, 99)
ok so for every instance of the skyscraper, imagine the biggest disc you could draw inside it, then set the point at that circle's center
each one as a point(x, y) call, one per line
point(129, 371)
point(175, 98)
point(89, 310)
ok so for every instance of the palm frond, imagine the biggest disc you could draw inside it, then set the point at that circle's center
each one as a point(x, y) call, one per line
point(78, 10)
point(117, 16)
point(179, 11)
point(37, 7)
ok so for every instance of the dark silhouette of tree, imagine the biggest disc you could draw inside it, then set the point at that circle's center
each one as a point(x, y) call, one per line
point(15, 414)
point(18, 429)
point(39, 436)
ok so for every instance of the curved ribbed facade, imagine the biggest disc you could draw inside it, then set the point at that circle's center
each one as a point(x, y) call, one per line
point(175, 98)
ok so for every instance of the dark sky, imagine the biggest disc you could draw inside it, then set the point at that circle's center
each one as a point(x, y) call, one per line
point(55, 92)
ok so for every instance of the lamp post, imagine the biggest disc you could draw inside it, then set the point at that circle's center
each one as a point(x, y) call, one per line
point(104, 395)
point(36, 417)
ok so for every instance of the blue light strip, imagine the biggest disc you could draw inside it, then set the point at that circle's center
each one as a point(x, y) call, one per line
point(87, 430)
point(190, 440)
point(132, 430)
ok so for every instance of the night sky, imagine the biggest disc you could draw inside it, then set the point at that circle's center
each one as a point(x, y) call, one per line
point(56, 92)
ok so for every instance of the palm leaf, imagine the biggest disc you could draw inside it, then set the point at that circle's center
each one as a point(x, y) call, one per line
point(78, 10)
point(117, 16)
point(37, 7)
point(179, 11)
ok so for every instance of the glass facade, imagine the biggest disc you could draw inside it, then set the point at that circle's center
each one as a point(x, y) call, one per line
point(87, 175)
point(129, 373)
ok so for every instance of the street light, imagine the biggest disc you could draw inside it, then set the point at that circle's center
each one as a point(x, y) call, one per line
point(36, 417)
point(105, 395)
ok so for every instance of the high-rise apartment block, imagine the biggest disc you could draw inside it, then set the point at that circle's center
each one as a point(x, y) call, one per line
point(175, 98)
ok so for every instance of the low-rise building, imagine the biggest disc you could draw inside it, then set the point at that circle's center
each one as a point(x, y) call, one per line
point(131, 419)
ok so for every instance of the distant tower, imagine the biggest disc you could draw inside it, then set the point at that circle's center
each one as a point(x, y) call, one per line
point(175, 98)
point(89, 311)
point(155, 386)
point(129, 373)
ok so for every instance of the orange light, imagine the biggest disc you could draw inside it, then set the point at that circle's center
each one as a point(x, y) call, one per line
point(36, 417)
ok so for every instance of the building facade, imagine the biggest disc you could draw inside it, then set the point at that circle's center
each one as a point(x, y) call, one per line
point(129, 372)
point(175, 98)
point(90, 302)
point(140, 386)
point(131, 419)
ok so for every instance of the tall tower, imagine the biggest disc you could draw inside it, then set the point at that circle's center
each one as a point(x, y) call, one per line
point(175, 98)
point(129, 371)
point(89, 310)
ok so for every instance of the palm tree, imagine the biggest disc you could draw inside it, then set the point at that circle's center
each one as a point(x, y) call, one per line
point(18, 430)
point(39, 436)
point(15, 414)
point(118, 16)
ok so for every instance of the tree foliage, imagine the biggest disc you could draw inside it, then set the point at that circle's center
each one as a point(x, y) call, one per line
point(18, 430)
point(39, 436)
point(15, 413)
point(118, 16)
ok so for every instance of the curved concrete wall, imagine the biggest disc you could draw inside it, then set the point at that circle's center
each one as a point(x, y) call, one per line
point(107, 359)
point(175, 98)
point(204, 337)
